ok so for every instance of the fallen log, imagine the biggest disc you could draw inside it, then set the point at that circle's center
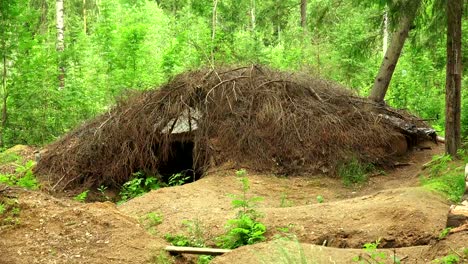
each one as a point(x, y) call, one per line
point(196, 251)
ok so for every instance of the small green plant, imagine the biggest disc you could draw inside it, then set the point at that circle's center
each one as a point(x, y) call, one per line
point(2, 208)
point(151, 220)
point(284, 202)
point(243, 202)
point(284, 233)
point(354, 172)
point(444, 233)
point(196, 238)
point(81, 197)
point(320, 199)
point(372, 255)
point(204, 259)
point(139, 185)
point(178, 240)
point(449, 259)
point(178, 179)
point(244, 229)
point(102, 191)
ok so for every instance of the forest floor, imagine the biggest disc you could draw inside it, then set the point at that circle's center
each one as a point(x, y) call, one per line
point(392, 207)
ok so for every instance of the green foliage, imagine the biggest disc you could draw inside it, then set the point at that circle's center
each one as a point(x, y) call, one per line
point(139, 185)
point(81, 197)
point(151, 220)
point(354, 172)
point(372, 254)
point(195, 237)
point(244, 229)
point(284, 202)
point(245, 203)
point(177, 240)
point(320, 199)
point(178, 179)
point(449, 259)
point(9, 157)
point(445, 177)
point(163, 258)
point(102, 191)
point(204, 259)
point(9, 212)
point(284, 233)
point(444, 233)
point(23, 177)
point(141, 44)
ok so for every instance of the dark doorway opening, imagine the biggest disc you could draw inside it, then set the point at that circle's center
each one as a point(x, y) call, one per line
point(180, 160)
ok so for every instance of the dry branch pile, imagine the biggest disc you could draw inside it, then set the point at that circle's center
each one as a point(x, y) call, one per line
point(252, 116)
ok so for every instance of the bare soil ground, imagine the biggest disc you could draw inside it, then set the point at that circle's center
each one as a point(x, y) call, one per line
point(391, 207)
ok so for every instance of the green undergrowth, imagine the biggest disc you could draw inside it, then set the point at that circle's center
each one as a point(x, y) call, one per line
point(141, 183)
point(245, 229)
point(23, 176)
point(445, 175)
point(9, 212)
point(354, 172)
point(195, 237)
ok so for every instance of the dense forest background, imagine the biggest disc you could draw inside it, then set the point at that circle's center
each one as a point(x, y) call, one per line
point(111, 46)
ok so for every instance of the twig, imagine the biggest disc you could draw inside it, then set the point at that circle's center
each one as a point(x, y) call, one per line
point(221, 83)
point(455, 251)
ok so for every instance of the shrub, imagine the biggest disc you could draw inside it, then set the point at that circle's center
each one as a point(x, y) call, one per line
point(140, 184)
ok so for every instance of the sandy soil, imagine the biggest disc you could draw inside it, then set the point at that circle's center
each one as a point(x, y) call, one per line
point(391, 207)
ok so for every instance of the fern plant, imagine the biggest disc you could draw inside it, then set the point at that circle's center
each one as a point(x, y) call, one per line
point(245, 229)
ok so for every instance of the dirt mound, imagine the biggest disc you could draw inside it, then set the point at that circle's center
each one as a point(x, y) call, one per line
point(293, 252)
point(271, 121)
point(400, 217)
point(50, 230)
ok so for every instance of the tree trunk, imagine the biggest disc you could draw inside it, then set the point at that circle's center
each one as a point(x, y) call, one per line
point(213, 30)
point(252, 15)
point(390, 60)
point(60, 41)
point(453, 77)
point(84, 17)
point(4, 96)
point(303, 14)
point(385, 31)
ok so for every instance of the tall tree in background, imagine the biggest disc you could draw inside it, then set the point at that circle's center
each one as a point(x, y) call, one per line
point(390, 60)
point(213, 30)
point(303, 14)
point(453, 77)
point(385, 31)
point(60, 23)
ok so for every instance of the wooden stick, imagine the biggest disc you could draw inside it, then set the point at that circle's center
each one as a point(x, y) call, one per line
point(197, 251)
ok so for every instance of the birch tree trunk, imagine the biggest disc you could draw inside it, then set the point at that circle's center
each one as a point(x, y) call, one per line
point(385, 31)
point(60, 41)
point(453, 77)
point(390, 60)
point(252, 14)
